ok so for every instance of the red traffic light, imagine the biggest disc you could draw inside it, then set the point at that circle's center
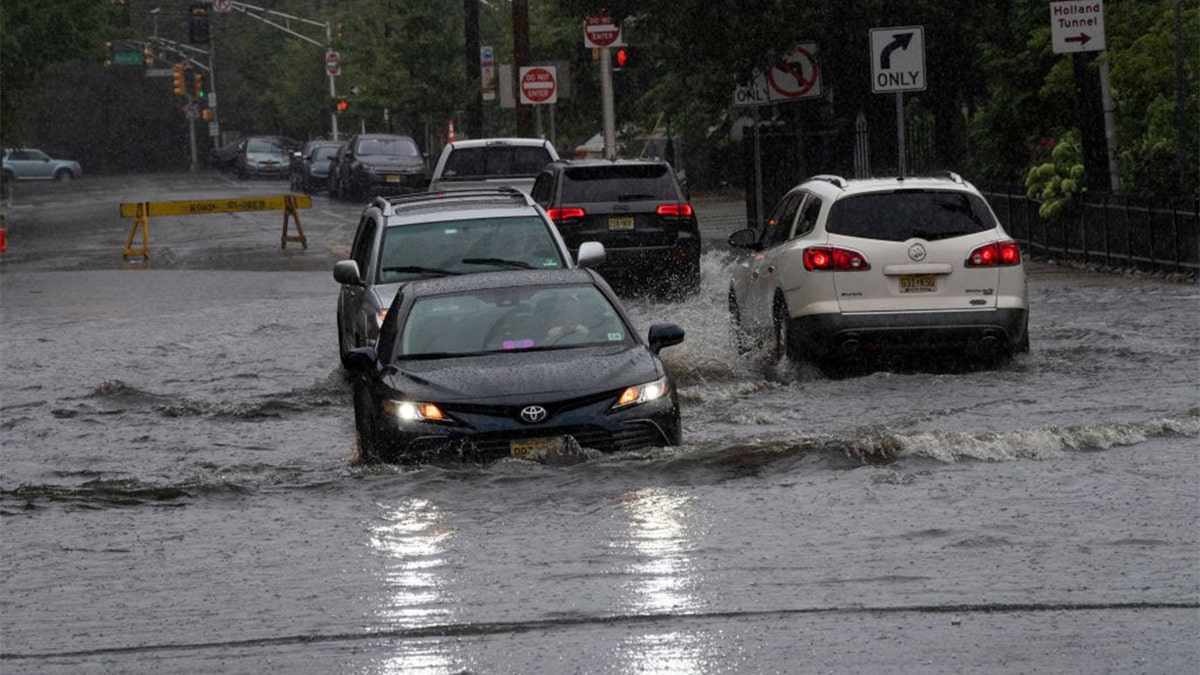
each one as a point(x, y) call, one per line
point(343, 105)
point(623, 57)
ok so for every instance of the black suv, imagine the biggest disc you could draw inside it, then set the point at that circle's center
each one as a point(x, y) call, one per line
point(637, 209)
point(375, 163)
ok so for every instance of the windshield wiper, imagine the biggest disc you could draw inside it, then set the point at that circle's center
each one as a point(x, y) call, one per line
point(633, 197)
point(498, 262)
point(416, 269)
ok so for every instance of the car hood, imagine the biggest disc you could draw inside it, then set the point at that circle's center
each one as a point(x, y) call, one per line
point(519, 376)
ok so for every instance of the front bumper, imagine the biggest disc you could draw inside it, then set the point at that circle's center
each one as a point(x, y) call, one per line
point(487, 432)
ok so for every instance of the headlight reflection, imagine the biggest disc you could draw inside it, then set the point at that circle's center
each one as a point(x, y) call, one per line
point(414, 540)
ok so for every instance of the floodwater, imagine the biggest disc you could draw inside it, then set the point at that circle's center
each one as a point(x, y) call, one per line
point(178, 493)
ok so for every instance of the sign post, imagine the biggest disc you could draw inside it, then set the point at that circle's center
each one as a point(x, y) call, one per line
point(897, 66)
point(601, 32)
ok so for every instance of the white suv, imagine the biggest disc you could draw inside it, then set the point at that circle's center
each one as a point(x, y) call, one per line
point(483, 163)
point(844, 269)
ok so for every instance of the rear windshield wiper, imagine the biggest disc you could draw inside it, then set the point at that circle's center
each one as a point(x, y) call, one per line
point(633, 197)
point(416, 269)
point(498, 262)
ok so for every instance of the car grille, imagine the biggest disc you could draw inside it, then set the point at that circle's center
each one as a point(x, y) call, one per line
point(632, 436)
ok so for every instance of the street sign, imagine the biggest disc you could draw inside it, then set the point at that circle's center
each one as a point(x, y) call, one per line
point(897, 59)
point(1077, 26)
point(333, 63)
point(794, 77)
point(128, 59)
point(601, 31)
point(487, 72)
point(538, 85)
point(222, 5)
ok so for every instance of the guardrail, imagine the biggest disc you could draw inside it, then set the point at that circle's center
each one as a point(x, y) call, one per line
point(1158, 235)
point(141, 212)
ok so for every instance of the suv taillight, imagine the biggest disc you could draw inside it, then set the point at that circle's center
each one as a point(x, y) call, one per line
point(677, 210)
point(834, 258)
point(997, 254)
point(568, 213)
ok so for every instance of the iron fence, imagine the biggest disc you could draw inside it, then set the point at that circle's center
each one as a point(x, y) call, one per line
point(1157, 235)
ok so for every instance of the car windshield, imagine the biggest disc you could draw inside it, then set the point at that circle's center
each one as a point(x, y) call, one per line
point(464, 246)
point(617, 183)
point(325, 152)
point(389, 147)
point(906, 214)
point(495, 160)
point(264, 145)
point(511, 319)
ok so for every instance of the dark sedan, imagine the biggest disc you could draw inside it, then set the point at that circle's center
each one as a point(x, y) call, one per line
point(511, 364)
point(310, 166)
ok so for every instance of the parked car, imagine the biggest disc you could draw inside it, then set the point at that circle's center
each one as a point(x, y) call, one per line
point(404, 238)
point(310, 165)
point(491, 163)
point(844, 269)
point(224, 157)
point(32, 164)
point(637, 209)
point(372, 164)
point(265, 156)
point(512, 364)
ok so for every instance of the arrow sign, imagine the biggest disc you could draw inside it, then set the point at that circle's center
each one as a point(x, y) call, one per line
point(897, 59)
point(900, 41)
point(1077, 26)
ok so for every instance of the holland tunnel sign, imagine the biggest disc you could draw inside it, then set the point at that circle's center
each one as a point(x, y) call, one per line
point(1077, 26)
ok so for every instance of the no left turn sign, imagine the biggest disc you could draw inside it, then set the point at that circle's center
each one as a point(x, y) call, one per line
point(538, 85)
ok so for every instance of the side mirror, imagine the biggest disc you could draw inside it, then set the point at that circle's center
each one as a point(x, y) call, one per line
point(591, 254)
point(744, 239)
point(664, 335)
point(346, 272)
point(361, 359)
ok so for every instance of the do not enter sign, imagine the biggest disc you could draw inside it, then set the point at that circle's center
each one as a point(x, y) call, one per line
point(538, 85)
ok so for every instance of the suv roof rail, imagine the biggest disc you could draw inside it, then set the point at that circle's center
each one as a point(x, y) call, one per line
point(950, 175)
point(831, 178)
point(388, 204)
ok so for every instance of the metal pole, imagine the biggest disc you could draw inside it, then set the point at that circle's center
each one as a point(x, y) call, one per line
point(758, 186)
point(1110, 125)
point(215, 128)
point(900, 131)
point(606, 104)
point(191, 117)
point(333, 125)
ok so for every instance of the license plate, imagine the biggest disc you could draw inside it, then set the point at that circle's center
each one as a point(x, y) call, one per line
point(918, 283)
point(620, 222)
point(393, 179)
point(530, 447)
point(269, 168)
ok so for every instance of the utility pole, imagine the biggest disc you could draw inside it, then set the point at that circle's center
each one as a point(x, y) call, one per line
point(474, 121)
point(521, 59)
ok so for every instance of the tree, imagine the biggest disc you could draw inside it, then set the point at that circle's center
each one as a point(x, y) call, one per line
point(35, 35)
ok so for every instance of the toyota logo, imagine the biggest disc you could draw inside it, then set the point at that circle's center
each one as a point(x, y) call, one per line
point(916, 252)
point(532, 414)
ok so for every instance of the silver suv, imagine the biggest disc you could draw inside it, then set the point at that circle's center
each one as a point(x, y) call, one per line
point(846, 269)
point(491, 163)
point(428, 235)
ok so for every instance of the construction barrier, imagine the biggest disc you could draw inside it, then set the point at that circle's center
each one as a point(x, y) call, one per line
point(140, 212)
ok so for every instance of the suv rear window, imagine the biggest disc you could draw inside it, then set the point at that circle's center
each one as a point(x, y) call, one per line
point(391, 147)
point(905, 214)
point(497, 160)
point(618, 183)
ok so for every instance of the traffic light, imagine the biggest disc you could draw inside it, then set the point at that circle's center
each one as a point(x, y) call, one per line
point(177, 78)
point(148, 56)
point(198, 85)
point(343, 105)
point(108, 52)
point(623, 57)
point(198, 24)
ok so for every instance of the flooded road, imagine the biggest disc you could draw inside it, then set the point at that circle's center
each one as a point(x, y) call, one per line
point(178, 491)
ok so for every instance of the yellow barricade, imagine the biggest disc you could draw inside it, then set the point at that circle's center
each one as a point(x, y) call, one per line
point(140, 212)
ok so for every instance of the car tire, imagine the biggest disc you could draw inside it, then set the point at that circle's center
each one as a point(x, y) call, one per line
point(63, 175)
point(364, 426)
point(741, 340)
point(785, 344)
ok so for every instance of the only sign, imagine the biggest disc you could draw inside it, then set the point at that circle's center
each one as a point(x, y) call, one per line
point(539, 84)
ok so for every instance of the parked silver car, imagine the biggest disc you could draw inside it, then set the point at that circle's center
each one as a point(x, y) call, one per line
point(32, 164)
point(269, 156)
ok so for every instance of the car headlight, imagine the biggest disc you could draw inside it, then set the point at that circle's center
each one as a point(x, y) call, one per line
point(643, 393)
point(414, 411)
